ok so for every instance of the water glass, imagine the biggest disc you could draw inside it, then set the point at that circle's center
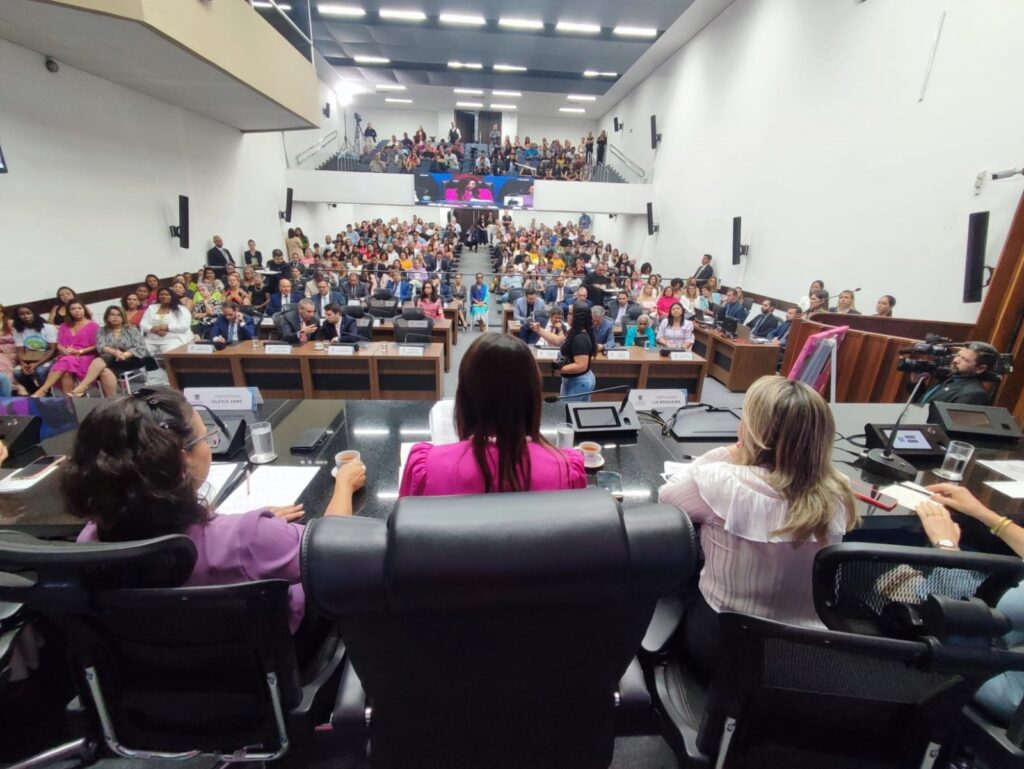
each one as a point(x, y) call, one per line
point(255, 344)
point(564, 436)
point(262, 443)
point(958, 454)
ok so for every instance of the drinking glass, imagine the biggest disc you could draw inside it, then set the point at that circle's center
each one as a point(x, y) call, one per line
point(564, 436)
point(262, 443)
point(958, 454)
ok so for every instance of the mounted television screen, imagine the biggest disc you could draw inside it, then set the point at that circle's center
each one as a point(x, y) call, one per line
point(470, 191)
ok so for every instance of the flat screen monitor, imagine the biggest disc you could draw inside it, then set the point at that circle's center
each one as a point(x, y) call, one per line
point(596, 417)
point(472, 191)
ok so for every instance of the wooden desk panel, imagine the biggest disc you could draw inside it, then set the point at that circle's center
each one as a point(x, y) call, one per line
point(405, 377)
point(735, 363)
point(441, 334)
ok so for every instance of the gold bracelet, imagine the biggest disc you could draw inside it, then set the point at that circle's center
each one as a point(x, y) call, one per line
point(998, 523)
point(1002, 526)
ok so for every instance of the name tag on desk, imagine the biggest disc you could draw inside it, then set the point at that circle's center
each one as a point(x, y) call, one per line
point(415, 351)
point(340, 349)
point(200, 349)
point(354, 303)
point(547, 354)
point(267, 322)
point(680, 356)
point(618, 355)
point(378, 322)
point(277, 349)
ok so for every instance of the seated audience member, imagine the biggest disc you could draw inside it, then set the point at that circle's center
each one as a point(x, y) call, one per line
point(258, 293)
point(604, 329)
point(732, 307)
point(166, 324)
point(557, 293)
point(576, 351)
point(205, 309)
point(8, 357)
point(355, 290)
point(430, 302)
point(181, 291)
point(526, 305)
point(234, 291)
point(845, 304)
point(884, 305)
point(619, 313)
point(642, 334)
point(1001, 695)
point(143, 295)
point(648, 299)
point(762, 324)
point(35, 348)
point(232, 325)
point(298, 325)
point(152, 284)
point(500, 449)
point(765, 507)
point(964, 385)
point(580, 297)
point(805, 301)
point(337, 327)
point(479, 302)
point(665, 301)
point(690, 298)
point(325, 296)
point(253, 258)
point(555, 326)
point(819, 303)
point(59, 311)
point(459, 295)
point(119, 348)
point(113, 484)
point(712, 286)
point(210, 279)
point(133, 309)
point(284, 296)
point(675, 331)
point(780, 333)
point(76, 349)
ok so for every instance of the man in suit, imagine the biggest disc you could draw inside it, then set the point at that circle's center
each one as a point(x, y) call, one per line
point(964, 385)
point(527, 305)
point(705, 271)
point(604, 329)
point(765, 321)
point(283, 296)
point(324, 297)
point(580, 296)
point(232, 325)
point(780, 333)
point(556, 294)
point(619, 312)
point(298, 325)
point(733, 307)
point(219, 257)
point(597, 283)
point(253, 258)
point(354, 289)
point(337, 327)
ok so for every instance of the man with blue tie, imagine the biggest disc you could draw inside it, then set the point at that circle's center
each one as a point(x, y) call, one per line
point(232, 325)
point(324, 296)
point(283, 296)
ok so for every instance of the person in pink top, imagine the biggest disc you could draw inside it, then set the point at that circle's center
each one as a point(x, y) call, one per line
point(497, 418)
point(430, 302)
point(76, 348)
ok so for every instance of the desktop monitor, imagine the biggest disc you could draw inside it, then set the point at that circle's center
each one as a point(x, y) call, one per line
point(729, 325)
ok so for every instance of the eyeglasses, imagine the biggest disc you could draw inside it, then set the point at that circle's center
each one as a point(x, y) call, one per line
point(212, 436)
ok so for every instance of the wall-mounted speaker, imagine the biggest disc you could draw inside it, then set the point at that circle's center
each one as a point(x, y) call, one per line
point(616, 124)
point(326, 109)
point(287, 213)
point(655, 136)
point(974, 271)
point(181, 231)
point(738, 249)
point(651, 226)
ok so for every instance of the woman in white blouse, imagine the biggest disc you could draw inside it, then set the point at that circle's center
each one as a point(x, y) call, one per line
point(166, 324)
point(805, 301)
point(765, 506)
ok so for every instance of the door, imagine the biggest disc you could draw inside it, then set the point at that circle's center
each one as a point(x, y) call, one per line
point(466, 122)
point(487, 122)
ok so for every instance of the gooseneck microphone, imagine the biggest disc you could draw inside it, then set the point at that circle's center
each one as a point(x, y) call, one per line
point(884, 461)
point(556, 398)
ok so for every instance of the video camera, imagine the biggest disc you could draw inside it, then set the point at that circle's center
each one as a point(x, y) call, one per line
point(937, 354)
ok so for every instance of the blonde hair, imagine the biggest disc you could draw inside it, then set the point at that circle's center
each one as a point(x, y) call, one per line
point(789, 430)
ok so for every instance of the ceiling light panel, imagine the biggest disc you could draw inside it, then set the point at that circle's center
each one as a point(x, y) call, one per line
point(390, 87)
point(571, 109)
point(578, 27)
point(517, 23)
point(512, 94)
point(399, 14)
point(371, 60)
point(509, 68)
point(334, 9)
point(264, 4)
point(468, 104)
point(470, 91)
point(625, 31)
point(580, 97)
point(398, 101)
point(464, 19)
point(465, 65)
point(503, 106)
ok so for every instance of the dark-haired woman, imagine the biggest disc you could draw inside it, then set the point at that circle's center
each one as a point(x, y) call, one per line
point(119, 348)
point(499, 449)
point(59, 311)
point(883, 307)
point(675, 330)
point(575, 353)
point(35, 347)
point(430, 302)
point(152, 286)
point(166, 324)
point(133, 309)
point(136, 471)
point(76, 348)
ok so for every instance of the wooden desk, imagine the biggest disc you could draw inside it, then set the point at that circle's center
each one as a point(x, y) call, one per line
point(645, 369)
point(506, 316)
point(441, 334)
point(376, 372)
point(734, 362)
point(451, 314)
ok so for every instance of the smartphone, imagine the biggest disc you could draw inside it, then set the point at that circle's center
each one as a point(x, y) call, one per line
point(37, 469)
point(309, 441)
point(611, 481)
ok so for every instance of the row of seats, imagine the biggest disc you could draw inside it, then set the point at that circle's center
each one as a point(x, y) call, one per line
point(448, 652)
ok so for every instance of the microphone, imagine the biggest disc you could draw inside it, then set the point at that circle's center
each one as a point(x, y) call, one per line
point(556, 398)
point(884, 461)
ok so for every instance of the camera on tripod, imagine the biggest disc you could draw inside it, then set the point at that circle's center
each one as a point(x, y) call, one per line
point(936, 353)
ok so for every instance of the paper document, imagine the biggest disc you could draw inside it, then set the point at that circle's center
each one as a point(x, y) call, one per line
point(442, 423)
point(907, 494)
point(1012, 489)
point(1011, 468)
point(219, 477)
point(671, 468)
point(268, 487)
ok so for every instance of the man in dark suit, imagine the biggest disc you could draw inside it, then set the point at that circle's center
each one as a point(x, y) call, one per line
point(283, 296)
point(219, 257)
point(964, 385)
point(580, 296)
point(354, 289)
point(733, 307)
point(557, 293)
point(298, 325)
point(765, 321)
point(337, 327)
point(604, 329)
point(253, 258)
point(705, 271)
point(780, 333)
point(232, 325)
point(324, 297)
point(597, 283)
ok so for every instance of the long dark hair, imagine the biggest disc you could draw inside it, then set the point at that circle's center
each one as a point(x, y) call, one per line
point(175, 299)
point(500, 363)
point(37, 320)
point(671, 320)
point(127, 470)
point(80, 303)
point(582, 321)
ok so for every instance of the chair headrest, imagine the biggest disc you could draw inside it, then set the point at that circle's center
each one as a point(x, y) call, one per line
point(516, 549)
point(413, 313)
point(382, 293)
point(352, 310)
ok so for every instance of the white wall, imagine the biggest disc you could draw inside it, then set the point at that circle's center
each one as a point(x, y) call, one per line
point(394, 121)
point(296, 142)
point(802, 116)
point(95, 173)
point(551, 128)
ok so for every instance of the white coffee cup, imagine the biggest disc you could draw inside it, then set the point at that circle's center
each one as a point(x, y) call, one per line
point(318, 346)
point(591, 454)
point(344, 457)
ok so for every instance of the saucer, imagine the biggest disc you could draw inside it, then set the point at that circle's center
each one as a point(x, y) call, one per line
point(594, 466)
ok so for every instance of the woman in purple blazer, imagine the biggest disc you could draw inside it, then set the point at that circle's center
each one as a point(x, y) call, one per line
point(135, 473)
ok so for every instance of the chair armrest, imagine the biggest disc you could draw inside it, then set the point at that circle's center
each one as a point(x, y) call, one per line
point(633, 694)
point(349, 716)
point(331, 656)
point(667, 617)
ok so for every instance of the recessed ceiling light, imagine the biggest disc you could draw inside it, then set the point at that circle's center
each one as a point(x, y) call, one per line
point(514, 23)
point(333, 9)
point(468, 104)
point(463, 18)
point(507, 93)
point(609, 74)
point(265, 4)
point(580, 97)
point(636, 31)
point(371, 60)
point(590, 73)
point(470, 91)
point(400, 15)
point(390, 87)
point(465, 65)
point(508, 68)
point(571, 109)
point(573, 26)
point(398, 101)
point(503, 106)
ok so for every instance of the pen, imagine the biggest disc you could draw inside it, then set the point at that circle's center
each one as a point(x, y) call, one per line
point(248, 486)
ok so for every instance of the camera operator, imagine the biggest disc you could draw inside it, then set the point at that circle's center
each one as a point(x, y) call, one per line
point(964, 385)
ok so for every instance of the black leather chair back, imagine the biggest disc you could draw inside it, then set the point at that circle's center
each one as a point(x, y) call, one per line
point(416, 331)
point(413, 313)
point(353, 310)
point(492, 630)
point(383, 308)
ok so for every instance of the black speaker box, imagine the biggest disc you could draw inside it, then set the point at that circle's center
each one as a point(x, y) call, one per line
point(974, 270)
point(19, 434)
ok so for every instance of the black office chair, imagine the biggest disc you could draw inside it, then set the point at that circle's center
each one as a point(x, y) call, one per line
point(169, 672)
point(382, 294)
point(364, 325)
point(416, 330)
point(493, 630)
point(783, 695)
point(412, 312)
point(383, 308)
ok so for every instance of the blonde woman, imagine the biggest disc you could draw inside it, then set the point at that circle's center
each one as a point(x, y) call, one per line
point(845, 304)
point(690, 298)
point(648, 299)
point(765, 506)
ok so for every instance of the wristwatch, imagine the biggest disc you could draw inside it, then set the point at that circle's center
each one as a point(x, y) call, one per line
point(945, 544)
